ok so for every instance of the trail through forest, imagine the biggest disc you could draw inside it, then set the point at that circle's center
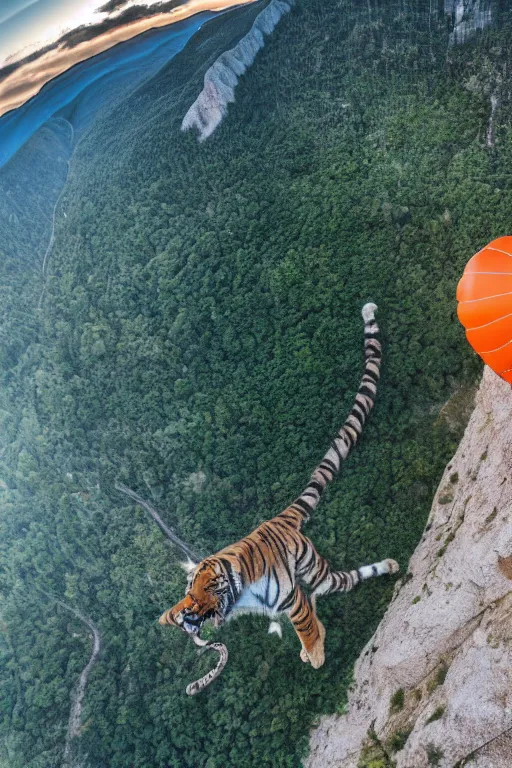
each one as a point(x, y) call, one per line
point(158, 520)
point(54, 214)
point(78, 694)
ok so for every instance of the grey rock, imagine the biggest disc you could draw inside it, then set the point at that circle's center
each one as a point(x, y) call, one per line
point(445, 639)
point(221, 79)
point(469, 16)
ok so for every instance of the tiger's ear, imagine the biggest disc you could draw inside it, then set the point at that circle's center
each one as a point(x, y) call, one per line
point(188, 566)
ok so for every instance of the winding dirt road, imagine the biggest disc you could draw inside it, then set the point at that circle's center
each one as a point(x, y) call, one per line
point(52, 236)
point(78, 693)
point(158, 520)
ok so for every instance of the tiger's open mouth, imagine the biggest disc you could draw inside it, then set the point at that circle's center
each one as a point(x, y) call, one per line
point(192, 623)
point(188, 621)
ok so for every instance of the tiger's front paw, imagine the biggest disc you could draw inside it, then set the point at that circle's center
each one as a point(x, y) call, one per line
point(317, 657)
point(316, 654)
point(392, 565)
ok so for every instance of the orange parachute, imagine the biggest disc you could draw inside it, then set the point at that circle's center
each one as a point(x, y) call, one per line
point(484, 294)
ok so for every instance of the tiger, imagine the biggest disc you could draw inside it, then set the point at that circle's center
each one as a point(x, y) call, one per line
point(276, 569)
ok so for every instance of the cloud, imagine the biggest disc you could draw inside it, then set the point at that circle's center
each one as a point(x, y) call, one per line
point(22, 80)
point(87, 32)
point(112, 5)
point(129, 16)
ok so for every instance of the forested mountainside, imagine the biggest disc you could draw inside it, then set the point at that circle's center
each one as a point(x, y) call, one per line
point(198, 339)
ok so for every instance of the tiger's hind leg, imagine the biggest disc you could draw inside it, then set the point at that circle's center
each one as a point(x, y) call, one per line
point(328, 581)
point(378, 569)
point(309, 628)
point(314, 571)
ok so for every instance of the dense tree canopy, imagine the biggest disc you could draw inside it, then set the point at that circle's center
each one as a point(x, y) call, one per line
point(201, 313)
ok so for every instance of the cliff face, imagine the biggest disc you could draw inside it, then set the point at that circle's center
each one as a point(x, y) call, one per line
point(221, 78)
point(468, 16)
point(434, 684)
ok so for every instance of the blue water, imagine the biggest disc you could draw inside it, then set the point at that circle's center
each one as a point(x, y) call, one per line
point(102, 80)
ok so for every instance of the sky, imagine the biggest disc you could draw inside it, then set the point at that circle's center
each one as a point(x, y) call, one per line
point(26, 25)
point(29, 25)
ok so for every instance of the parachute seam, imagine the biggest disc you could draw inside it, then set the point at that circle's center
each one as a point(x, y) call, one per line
point(477, 327)
point(496, 349)
point(498, 250)
point(484, 298)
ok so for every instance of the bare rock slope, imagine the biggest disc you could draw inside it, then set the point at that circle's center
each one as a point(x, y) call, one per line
point(221, 79)
point(469, 16)
point(434, 684)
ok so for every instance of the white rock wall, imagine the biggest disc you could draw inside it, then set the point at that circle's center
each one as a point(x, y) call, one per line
point(469, 16)
point(221, 79)
point(453, 614)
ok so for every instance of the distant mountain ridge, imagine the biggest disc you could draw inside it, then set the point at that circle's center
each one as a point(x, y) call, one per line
point(221, 79)
point(120, 70)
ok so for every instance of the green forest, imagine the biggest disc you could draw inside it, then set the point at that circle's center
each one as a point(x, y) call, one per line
point(197, 336)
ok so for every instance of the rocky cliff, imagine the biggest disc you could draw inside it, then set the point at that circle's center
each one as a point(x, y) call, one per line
point(468, 16)
point(433, 687)
point(221, 78)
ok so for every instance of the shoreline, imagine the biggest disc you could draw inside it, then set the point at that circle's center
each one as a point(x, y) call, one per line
point(29, 80)
point(20, 124)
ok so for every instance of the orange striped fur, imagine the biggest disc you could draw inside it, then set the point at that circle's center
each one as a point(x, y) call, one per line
point(276, 568)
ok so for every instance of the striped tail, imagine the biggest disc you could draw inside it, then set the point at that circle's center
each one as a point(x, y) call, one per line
point(204, 682)
point(349, 433)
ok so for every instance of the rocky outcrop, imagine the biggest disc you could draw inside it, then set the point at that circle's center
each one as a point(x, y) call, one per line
point(221, 79)
point(434, 684)
point(468, 16)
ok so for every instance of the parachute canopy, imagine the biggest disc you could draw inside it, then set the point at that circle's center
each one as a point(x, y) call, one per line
point(484, 294)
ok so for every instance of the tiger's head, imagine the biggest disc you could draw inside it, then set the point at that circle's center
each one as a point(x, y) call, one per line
point(206, 595)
